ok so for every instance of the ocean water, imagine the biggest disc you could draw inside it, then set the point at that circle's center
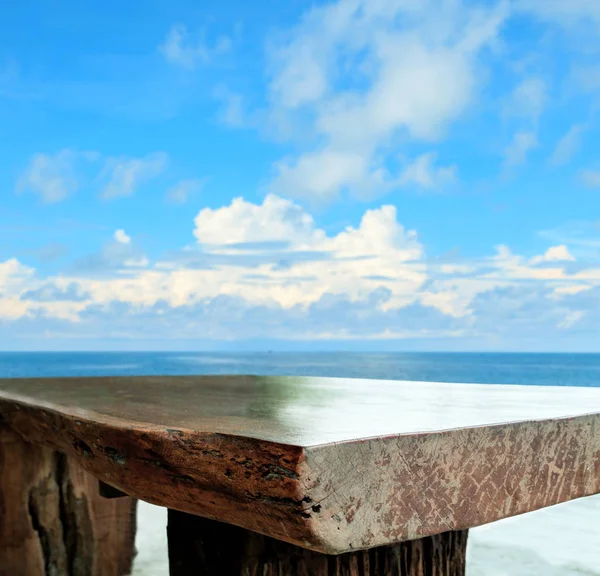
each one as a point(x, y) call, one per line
point(557, 541)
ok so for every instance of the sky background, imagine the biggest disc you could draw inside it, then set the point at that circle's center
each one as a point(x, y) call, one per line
point(381, 174)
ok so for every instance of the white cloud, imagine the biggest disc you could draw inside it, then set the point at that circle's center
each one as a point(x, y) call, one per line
point(51, 176)
point(186, 50)
point(406, 93)
point(554, 254)
point(378, 235)
point(509, 266)
point(590, 178)
point(268, 270)
point(371, 248)
point(423, 172)
point(412, 68)
point(571, 289)
point(516, 152)
point(181, 192)
point(274, 254)
point(568, 145)
point(526, 102)
point(322, 175)
point(121, 237)
point(54, 177)
point(14, 278)
point(13, 274)
point(122, 176)
point(582, 235)
point(275, 220)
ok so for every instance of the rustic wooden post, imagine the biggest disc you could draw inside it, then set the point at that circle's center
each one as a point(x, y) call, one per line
point(201, 546)
point(53, 520)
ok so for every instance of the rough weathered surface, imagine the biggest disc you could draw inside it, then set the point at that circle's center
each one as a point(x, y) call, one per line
point(201, 546)
point(248, 451)
point(53, 521)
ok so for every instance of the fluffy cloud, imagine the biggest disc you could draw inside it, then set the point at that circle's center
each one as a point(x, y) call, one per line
point(13, 274)
point(554, 254)
point(302, 262)
point(355, 85)
point(267, 270)
point(121, 237)
point(285, 223)
point(14, 279)
point(358, 74)
point(323, 174)
point(276, 219)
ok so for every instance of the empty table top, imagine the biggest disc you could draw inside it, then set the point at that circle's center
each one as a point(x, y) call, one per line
point(330, 464)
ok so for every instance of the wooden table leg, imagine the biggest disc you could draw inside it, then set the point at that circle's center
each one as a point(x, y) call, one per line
point(53, 519)
point(198, 546)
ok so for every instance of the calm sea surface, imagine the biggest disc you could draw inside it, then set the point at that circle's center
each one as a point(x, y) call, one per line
point(530, 369)
point(557, 541)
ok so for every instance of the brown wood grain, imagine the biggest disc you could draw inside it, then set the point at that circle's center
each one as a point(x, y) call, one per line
point(53, 521)
point(201, 546)
point(333, 497)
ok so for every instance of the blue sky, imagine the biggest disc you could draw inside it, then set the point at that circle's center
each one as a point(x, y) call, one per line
point(389, 174)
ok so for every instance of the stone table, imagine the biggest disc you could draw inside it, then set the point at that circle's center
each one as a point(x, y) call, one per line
point(280, 475)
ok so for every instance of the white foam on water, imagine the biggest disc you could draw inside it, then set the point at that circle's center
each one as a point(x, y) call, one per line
point(558, 541)
point(151, 541)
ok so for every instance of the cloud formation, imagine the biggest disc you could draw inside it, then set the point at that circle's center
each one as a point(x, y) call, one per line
point(270, 272)
point(54, 177)
point(359, 75)
point(423, 172)
point(121, 237)
point(367, 98)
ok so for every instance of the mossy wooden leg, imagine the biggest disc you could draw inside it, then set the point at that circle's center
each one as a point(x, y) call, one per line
point(198, 546)
point(53, 519)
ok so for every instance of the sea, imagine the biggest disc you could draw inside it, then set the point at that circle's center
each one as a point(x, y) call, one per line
point(558, 541)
